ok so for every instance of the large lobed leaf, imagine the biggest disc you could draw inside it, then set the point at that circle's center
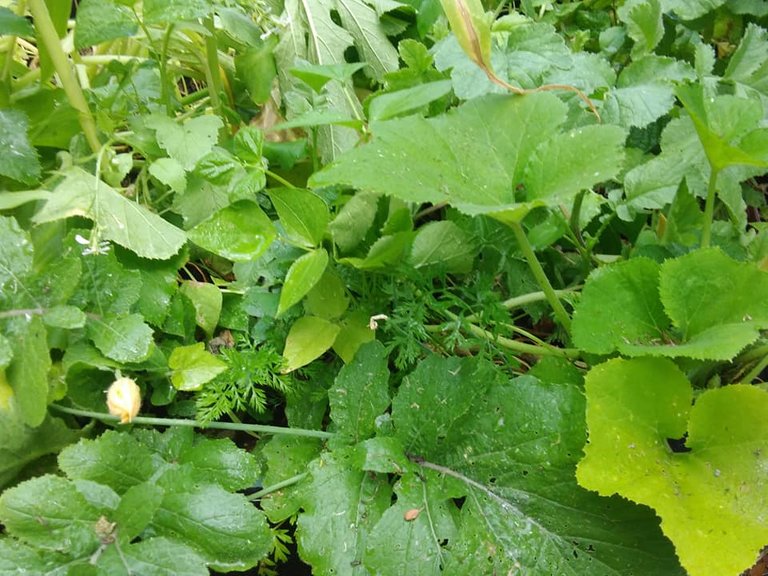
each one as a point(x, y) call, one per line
point(713, 498)
point(495, 155)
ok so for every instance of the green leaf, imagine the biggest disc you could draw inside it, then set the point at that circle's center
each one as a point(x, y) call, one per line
point(749, 62)
point(353, 221)
point(240, 232)
point(308, 338)
point(51, 513)
point(691, 9)
point(620, 305)
point(192, 366)
point(303, 214)
point(443, 245)
point(119, 219)
point(360, 393)
point(102, 20)
point(644, 24)
point(303, 274)
point(633, 407)
point(255, 67)
point(106, 286)
point(286, 457)
point(222, 462)
point(67, 317)
point(328, 298)
point(500, 152)
point(122, 338)
point(14, 25)
point(354, 331)
point(169, 172)
point(225, 529)
point(341, 505)
point(154, 557)
point(28, 371)
point(18, 558)
point(472, 29)
point(16, 253)
point(114, 459)
point(318, 75)
point(171, 11)
point(136, 509)
point(187, 143)
point(638, 105)
point(20, 160)
point(373, 46)
point(387, 105)
point(207, 300)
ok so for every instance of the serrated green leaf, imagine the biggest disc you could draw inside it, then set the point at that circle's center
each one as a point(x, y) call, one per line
point(500, 151)
point(18, 558)
point(286, 457)
point(644, 24)
point(302, 276)
point(169, 172)
point(442, 245)
point(16, 253)
point(691, 9)
point(171, 11)
point(637, 106)
point(303, 214)
point(240, 232)
point(374, 48)
point(225, 529)
point(20, 160)
point(136, 509)
point(122, 338)
point(207, 301)
point(633, 407)
point(52, 514)
point(189, 142)
point(119, 219)
point(102, 20)
point(14, 25)
point(114, 459)
point(749, 62)
point(192, 366)
point(154, 557)
point(27, 373)
point(67, 317)
point(620, 305)
point(341, 505)
point(308, 338)
point(360, 393)
point(222, 462)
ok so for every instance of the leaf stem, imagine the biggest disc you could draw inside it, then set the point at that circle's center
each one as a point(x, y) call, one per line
point(212, 69)
point(756, 371)
point(524, 299)
point(541, 277)
point(50, 39)
point(259, 428)
point(278, 486)
point(709, 208)
point(279, 178)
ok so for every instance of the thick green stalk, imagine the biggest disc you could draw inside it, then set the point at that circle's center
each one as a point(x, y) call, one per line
point(259, 428)
point(709, 209)
point(541, 276)
point(49, 37)
point(213, 69)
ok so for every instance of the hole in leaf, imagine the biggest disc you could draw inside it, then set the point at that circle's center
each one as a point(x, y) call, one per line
point(677, 445)
point(459, 502)
point(525, 472)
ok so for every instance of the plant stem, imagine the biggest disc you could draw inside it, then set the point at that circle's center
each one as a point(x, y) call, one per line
point(279, 486)
point(709, 208)
point(280, 179)
point(523, 299)
point(756, 371)
point(49, 37)
point(260, 428)
point(541, 277)
point(212, 69)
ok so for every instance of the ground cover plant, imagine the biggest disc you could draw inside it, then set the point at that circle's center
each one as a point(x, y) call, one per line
point(357, 287)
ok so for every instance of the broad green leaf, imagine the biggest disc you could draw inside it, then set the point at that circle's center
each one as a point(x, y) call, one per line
point(106, 286)
point(706, 288)
point(119, 219)
point(286, 457)
point(136, 509)
point(328, 298)
point(172, 11)
point(18, 558)
point(255, 67)
point(303, 214)
point(240, 232)
point(308, 338)
point(638, 105)
point(633, 408)
point(248, 145)
point(354, 331)
point(189, 142)
point(114, 459)
point(156, 556)
point(14, 25)
point(16, 253)
point(222, 462)
point(620, 305)
point(341, 505)
point(169, 172)
point(67, 317)
point(360, 393)
point(443, 245)
point(353, 221)
point(390, 104)
point(749, 63)
point(192, 366)
point(122, 338)
point(27, 373)
point(207, 300)
point(102, 20)
point(226, 530)
point(302, 276)
point(691, 9)
point(644, 24)
point(318, 75)
point(23, 444)
point(373, 46)
point(387, 250)
point(50, 512)
point(19, 160)
point(9, 200)
point(507, 165)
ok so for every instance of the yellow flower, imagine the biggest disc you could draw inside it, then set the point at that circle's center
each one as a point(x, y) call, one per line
point(124, 399)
